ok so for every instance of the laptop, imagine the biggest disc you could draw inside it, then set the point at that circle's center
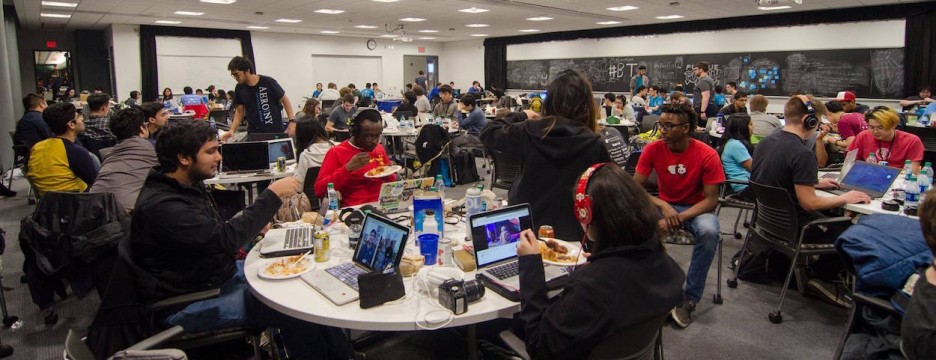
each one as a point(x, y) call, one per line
point(397, 196)
point(282, 147)
point(496, 253)
point(846, 165)
point(265, 136)
point(287, 242)
point(872, 179)
point(380, 250)
point(244, 158)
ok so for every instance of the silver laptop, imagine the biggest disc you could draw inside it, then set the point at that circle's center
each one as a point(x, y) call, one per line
point(849, 161)
point(282, 147)
point(244, 158)
point(871, 179)
point(380, 249)
point(287, 242)
point(495, 235)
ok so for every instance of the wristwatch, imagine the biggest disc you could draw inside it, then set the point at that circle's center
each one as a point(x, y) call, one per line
point(290, 121)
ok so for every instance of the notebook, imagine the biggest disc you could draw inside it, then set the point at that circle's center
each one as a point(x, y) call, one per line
point(495, 235)
point(872, 179)
point(287, 242)
point(846, 165)
point(245, 158)
point(380, 249)
point(284, 148)
point(397, 196)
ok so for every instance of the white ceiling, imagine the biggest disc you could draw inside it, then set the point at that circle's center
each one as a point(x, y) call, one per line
point(506, 17)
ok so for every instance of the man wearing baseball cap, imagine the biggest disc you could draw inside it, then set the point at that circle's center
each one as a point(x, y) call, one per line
point(852, 122)
point(847, 98)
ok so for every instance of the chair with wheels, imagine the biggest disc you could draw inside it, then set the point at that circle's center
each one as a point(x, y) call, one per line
point(642, 341)
point(20, 152)
point(776, 224)
point(506, 169)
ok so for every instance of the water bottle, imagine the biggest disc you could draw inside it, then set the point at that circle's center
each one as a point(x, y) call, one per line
point(928, 167)
point(473, 201)
point(440, 186)
point(925, 180)
point(872, 158)
point(332, 212)
point(924, 120)
point(911, 194)
point(898, 187)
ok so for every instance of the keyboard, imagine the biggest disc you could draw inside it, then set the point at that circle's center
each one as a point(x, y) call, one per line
point(348, 273)
point(829, 176)
point(504, 271)
point(297, 238)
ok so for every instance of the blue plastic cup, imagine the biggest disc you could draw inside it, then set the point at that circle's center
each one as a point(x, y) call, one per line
point(429, 247)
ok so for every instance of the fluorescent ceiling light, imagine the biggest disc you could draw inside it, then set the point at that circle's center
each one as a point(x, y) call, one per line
point(428, 31)
point(623, 8)
point(479, 35)
point(289, 21)
point(539, 18)
point(329, 11)
point(329, 32)
point(768, 8)
point(388, 36)
point(474, 10)
point(427, 38)
point(168, 22)
point(610, 22)
point(59, 4)
point(669, 17)
point(51, 15)
point(222, 2)
point(189, 13)
point(412, 19)
point(365, 26)
point(258, 27)
point(529, 30)
point(477, 25)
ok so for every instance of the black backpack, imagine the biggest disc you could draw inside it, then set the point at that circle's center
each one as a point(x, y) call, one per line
point(465, 169)
point(429, 143)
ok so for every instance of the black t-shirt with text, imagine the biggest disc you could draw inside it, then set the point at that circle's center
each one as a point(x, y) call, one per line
point(782, 160)
point(262, 107)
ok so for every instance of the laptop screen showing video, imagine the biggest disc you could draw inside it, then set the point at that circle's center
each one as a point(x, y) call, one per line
point(381, 245)
point(282, 147)
point(495, 234)
point(871, 177)
point(245, 156)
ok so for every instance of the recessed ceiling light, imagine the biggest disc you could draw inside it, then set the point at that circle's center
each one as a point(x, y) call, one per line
point(222, 2)
point(479, 35)
point(474, 10)
point(768, 8)
point(610, 22)
point(189, 13)
point(412, 19)
point(168, 22)
point(477, 25)
point(529, 30)
point(428, 31)
point(258, 27)
point(51, 15)
point(388, 36)
point(329, 32)
point(669, 17)
point(329, 11)
point(539, 18)
point(386, 1)
point(427, 38)
point(623, 8)
point(59, 4)
point(288, 21)
point(365, 26)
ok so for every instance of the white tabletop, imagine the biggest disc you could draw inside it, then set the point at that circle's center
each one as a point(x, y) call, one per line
point(238, 179)
point(295, 298)
point(874, 207)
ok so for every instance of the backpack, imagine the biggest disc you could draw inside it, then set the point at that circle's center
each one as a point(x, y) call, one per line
point(429, 144)
point(463, 164)
point(761, 265)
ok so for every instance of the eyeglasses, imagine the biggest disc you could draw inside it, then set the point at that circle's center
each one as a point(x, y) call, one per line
point(236, 74)
point(668, 126)
point(876, 128)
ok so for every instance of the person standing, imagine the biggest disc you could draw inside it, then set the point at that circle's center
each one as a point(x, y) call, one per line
point(260, 99)
point(640, 79)
point(421, 80)
point(703, 93)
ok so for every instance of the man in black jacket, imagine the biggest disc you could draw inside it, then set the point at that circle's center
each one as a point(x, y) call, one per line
point(178, 236)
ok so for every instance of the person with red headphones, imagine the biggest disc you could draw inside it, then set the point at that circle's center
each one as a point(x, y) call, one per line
point(689, 173)
point(630, 281)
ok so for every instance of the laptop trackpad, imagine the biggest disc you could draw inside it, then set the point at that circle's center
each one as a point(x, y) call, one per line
point(330, 287)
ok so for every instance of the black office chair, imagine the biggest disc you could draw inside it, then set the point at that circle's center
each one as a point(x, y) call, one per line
point(776, 224)
point(327, 106)
point(20, 152)
point(861, 304)
point(640, 342)
point(648, 123)
point(308, 186)
point(506, 169)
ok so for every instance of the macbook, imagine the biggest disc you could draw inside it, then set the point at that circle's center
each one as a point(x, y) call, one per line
point(380, 250)
point(397, 196)
point(872, 179)
point(284, 148)
point(245, 158)
point(287, 242)
point(849, 161)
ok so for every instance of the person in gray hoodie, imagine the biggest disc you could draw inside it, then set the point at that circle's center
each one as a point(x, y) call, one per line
point(126, 165)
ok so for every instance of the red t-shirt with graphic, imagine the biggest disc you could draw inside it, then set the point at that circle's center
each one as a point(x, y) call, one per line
point(681, 177)
point(851, 124)
point(904, 146)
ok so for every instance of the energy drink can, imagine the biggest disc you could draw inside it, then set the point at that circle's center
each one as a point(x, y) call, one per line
point(322, 253)
point(281, 164)
point(446, 257)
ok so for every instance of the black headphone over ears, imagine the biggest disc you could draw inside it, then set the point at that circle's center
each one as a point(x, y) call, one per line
point(811, 121)
point(354, 122)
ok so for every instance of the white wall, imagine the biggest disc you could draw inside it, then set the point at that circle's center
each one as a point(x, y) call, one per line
point(195, 62)
point(462, 62)
point(127, 68)
point(288, 59)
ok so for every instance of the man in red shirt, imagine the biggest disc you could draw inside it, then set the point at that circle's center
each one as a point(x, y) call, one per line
point(688, 175)
point(884, 144)
point(346, 163)
point(852, 122)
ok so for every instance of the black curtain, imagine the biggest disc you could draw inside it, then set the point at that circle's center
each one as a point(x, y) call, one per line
point(148, 35)
point(919, 51)
point(495, 65)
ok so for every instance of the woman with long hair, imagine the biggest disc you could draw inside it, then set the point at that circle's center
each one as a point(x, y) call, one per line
point(310, 110)
point(167, 94)
point(554, 149)
point(70, 95)
point(312, 139)
point(630, 282)
point(735, 150)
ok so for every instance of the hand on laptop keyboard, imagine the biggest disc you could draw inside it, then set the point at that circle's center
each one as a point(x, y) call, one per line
point(827, 184)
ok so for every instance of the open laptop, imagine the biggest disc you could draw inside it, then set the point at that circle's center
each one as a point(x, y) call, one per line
point(496, 253)
point(380, 249)
point(244, 158)
point(397, 196)
point(284, 148)
point(265, 136)
point(872, 179)
point(287, 242)
point(846, 165)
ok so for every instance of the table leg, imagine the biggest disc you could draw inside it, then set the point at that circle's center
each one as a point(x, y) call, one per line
point(472, 342)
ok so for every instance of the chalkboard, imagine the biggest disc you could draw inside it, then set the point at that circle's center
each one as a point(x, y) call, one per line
point(870, 73)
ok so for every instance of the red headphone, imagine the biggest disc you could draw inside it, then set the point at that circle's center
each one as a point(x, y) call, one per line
point(582, 204)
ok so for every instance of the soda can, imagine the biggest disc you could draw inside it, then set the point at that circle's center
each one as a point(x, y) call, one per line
point(547, 231)
point(446, 256)
point(320, 242)
point(281, 164)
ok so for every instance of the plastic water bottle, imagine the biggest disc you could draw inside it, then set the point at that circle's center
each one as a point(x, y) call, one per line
point(440, 185)
point(924, 120)
point(899, 184)
point(332, 211)
point(928, 168)
point(925, 180)
point(911, 194)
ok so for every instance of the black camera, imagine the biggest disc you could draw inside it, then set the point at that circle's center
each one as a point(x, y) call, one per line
point(455, 294)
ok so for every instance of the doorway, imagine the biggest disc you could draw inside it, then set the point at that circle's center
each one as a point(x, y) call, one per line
point(54, 73)
point(412, 64)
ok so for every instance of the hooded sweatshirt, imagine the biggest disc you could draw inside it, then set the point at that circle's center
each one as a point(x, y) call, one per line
point(550, 165)
point(124, 170)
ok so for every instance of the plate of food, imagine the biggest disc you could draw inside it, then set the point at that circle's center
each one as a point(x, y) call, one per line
point(286, 267)
point(384, 168)
point(560, 253)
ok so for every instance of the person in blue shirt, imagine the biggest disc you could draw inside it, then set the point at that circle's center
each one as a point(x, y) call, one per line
point(719, 96)
point(434, 93)
point(318, 90)
point(471, 119)
point(31, 128)
point(190, 99)
point(735, 150)
point(475, 88)
point(655, 100)
point(367, 93)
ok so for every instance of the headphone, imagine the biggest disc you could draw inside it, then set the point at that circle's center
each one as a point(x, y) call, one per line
point(582, 202)
point(354, 122)
point(811, 121)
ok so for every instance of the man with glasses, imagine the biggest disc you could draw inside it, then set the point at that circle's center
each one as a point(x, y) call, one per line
point(346, 164)
point(59, 163)
point(884, 144)
point(260, 99)
point(689, 173)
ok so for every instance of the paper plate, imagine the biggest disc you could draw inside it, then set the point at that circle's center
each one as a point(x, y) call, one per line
point(262, 271)
point(388, 170)
point(573, 252)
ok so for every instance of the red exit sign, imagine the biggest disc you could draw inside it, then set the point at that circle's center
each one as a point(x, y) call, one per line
point(50, 44)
